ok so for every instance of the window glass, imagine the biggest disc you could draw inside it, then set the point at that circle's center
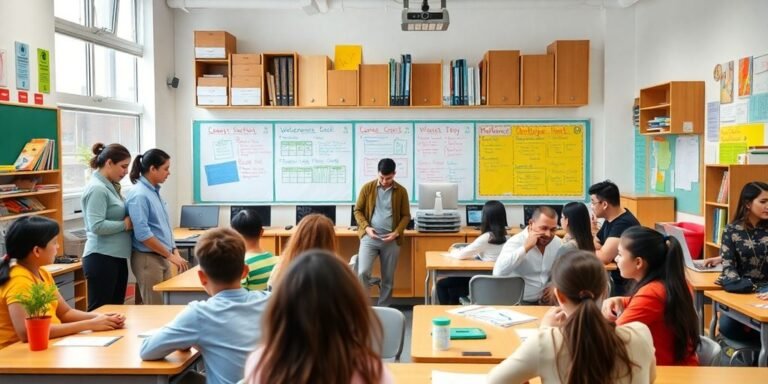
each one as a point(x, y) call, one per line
point(71, 70)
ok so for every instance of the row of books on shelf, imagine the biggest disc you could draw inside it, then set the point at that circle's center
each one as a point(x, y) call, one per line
point(461, 84)
point(20, 205)
point(719, 218)
point(37, 155)
point(280, 87)
point(658, 123)
point(722, 193)
point(400, 80)
point(10, 189)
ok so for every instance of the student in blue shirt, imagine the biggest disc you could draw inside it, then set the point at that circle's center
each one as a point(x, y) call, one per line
point(224, 328)
point(108, 243)
point(154, 249)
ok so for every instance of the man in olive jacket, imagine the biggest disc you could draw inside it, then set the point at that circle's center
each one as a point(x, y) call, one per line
point(382, 213)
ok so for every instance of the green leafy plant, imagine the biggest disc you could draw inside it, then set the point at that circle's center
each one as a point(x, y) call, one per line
point(38, 300)
point(83, 155)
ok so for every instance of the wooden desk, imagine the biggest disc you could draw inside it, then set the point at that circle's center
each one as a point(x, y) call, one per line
point(649, 209)
point(70, 279)
point(182, 288)
point(501, 342)
point(741, 307)
point(422, 373)
point(700, 282)
point(117, 363)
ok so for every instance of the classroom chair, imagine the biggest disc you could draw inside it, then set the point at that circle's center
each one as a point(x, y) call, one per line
point(393, 323)
point(495, 290)
point(709, 352)
point(744, 353)
point(374, 280)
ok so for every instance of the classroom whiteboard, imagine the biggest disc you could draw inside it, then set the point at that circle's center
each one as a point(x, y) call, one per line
point(515, 161)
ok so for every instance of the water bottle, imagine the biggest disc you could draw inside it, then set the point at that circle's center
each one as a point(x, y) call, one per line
point(438, 203)
point(441, 333)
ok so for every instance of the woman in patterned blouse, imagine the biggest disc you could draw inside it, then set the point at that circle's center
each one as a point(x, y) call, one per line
point(744, 250)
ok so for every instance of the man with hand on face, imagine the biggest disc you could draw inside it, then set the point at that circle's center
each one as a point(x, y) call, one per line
point(531, 253)
point(382, 213)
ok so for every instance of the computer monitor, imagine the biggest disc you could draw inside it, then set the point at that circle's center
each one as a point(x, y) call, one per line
point(199, 216)
point(474, 215)
point(449, 193)
point(528, 212)
point(263, 211)
point(328, 210)
point(352, 219)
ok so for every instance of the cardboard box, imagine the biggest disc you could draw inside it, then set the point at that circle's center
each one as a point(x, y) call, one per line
point(212, 100)
point(246, 96)
point(212, 82)
point(214, 44)
point(246, 58)
point(246, 81)
point(246, 70)
point(211, 91)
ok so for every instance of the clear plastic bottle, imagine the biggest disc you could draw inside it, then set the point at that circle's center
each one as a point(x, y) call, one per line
point(441, 333)
point(438, 203)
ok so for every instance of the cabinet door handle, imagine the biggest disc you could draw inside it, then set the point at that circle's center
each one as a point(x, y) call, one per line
point(341, 99)
point(373, 99)
point(572, 98)
point(312, 100)
point(538, 98)
point(503, 98)
point(426, 99)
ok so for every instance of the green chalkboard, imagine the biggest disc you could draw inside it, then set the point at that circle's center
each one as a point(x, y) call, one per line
point(19, 124)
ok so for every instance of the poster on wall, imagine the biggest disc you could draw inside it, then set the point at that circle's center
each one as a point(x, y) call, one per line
point(745, 76)
point(760, 74)
point(726, 84)
point(43, 71)
point(3, 69)
point(22, 66)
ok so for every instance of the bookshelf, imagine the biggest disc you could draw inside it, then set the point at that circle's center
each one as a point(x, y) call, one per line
point(21, 123)
point(559, 79)
point(681, 102)
point(738, 175)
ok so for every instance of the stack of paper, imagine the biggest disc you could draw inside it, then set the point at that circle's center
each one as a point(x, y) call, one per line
point(500, 317)
point(440, 377)
point(87, 341)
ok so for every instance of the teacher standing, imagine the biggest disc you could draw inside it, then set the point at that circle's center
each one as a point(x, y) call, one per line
point(154, 249)
point(107, 225)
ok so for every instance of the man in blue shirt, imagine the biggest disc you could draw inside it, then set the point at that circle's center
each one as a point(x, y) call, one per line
point(224, 328)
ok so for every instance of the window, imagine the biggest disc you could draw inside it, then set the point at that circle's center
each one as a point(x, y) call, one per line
point(86, 128)
point(97, 59)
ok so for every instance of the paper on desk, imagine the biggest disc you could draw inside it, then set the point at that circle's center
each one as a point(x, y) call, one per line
point(148, 332)
point(501, 317)
point(440, 377)
point(87, 341)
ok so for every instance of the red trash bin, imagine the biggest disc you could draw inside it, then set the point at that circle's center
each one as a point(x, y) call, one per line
point(694, 237)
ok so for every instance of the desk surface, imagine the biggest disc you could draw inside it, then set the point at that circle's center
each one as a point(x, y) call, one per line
point(120, 358)
point(422, 373)
point(702, 281)
point(186, 281)
point(60, 269)
point(501, 342)
point(440, 260)
point(744, 303)
point(182, 233)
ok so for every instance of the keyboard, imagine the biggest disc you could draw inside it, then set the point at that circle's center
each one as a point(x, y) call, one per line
point(65, 260)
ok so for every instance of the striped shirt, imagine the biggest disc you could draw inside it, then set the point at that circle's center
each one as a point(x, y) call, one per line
point(260, 266)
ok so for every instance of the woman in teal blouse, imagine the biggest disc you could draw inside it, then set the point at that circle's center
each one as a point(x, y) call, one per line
point(108, 243)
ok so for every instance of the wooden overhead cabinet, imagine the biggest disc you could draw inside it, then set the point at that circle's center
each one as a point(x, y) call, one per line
point(502, 69)
point(313, 80)
point(571, 71)
point(425, 85)
point(538, 73)
point(342, 88)
point(374, 85)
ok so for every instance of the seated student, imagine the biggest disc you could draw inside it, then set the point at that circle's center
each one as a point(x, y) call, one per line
point(530, 253)
point(577, 227)
point(33, 242)
point(319, 328)
point(744, 251)
point(575, 344)
point(606, 204)
point(661, 298)
point(486, 247)
point(260, 262)
point(223, 328)
point(315, 231)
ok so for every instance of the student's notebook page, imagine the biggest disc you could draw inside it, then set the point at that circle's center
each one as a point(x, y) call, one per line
point(86, 341)
point(500, 317)
point(441, 377)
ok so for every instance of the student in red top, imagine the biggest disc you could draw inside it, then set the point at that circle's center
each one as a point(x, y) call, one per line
point(661, 298)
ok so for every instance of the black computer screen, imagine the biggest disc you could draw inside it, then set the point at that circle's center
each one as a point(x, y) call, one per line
point(528, 212)
point(328, 210)
point(352, 220)
point(263, 211)
point(199, 216)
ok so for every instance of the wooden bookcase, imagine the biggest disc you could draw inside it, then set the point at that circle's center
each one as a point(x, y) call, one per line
point(738, 176)
point(571, 71)
point(681, 101)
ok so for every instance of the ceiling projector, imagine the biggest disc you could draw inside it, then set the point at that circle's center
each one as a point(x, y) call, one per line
point(425, 20)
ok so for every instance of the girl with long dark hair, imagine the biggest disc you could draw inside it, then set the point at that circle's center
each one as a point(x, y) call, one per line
point(578, 228)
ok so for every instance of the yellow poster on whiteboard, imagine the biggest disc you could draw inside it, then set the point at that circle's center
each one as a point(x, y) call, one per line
point(753, 134)
point(531, 160)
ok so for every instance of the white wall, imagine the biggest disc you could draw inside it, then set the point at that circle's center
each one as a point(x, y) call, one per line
point(15, 26)
point(471, 33)
point(685, 39)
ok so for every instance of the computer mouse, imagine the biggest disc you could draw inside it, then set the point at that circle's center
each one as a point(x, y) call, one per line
point(288, 227)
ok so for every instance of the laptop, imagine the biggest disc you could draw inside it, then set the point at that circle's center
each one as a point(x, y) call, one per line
point(264, 212)
point(353, 220)
point(474, 215)
point(690, 263)
point(328, 210)
point(199, 216)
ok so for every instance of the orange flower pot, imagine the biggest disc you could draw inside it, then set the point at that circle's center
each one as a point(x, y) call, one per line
point(38, 331)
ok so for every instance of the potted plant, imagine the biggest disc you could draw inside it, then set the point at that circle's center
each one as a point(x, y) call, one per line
point(83, 155)
point(36, 303)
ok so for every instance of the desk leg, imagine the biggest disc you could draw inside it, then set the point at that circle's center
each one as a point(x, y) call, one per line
point(713, 322)
point(433, 291)
point(426, 287)
point(762, 359)
point(167, 298)
point(698, 299)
